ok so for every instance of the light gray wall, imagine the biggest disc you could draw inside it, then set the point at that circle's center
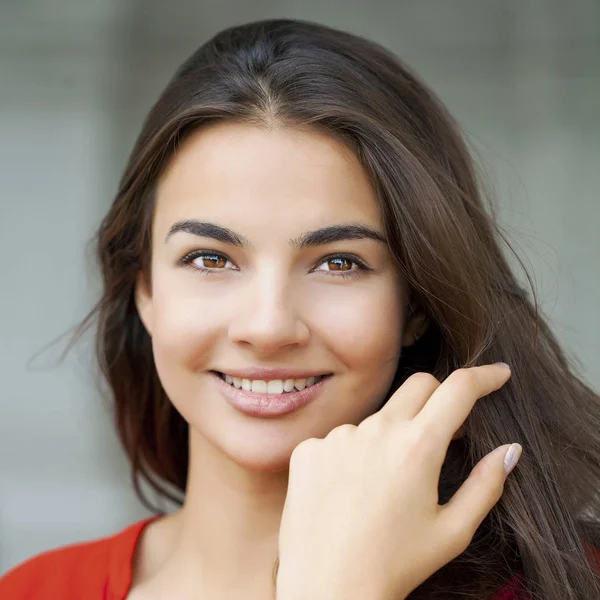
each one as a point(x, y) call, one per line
point(76, 79)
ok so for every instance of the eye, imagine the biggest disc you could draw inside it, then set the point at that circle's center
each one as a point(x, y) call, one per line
point(213, 261)
point(338, 265)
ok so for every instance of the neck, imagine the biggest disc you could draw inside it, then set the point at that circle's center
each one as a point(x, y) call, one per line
point(225, 537)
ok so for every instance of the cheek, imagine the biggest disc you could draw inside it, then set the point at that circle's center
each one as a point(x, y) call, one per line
point(183, 341)
point(363, 327)
point(184, 325)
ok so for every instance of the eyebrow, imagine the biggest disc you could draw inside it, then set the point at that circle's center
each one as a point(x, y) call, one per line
point(319, 237)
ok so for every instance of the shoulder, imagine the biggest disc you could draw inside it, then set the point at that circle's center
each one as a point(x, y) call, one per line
point(53, 572)
point(78, 570)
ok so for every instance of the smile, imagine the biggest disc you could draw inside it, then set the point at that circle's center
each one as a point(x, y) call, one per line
point(272, 400)
point(275, 386)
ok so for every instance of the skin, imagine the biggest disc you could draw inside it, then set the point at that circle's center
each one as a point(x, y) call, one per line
point(268, 305)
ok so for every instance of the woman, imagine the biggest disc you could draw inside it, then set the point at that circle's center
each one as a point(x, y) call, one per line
point(298, 255)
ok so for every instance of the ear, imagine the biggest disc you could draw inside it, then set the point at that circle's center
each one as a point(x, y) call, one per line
point(143, 302)
point(415, 328)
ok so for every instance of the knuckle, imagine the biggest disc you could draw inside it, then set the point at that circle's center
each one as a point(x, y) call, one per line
point(341, 431)
point(304, 448)
point(424, 378)
point(373, 425)
point(462, 377)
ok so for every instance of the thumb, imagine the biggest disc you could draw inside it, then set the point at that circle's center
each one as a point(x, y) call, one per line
point(481, 491)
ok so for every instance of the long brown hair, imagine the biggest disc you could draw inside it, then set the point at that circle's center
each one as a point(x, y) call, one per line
point(446, 242)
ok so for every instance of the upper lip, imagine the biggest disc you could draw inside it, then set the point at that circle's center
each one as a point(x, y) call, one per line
point(272, 374)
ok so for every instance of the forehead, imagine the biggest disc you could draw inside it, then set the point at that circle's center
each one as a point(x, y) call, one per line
point(243, 174)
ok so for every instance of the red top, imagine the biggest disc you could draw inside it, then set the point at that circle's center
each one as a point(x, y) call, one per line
point(99, 570)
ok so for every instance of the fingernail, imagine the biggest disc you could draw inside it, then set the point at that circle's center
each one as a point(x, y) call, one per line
point(502, 364)
point(511, 458)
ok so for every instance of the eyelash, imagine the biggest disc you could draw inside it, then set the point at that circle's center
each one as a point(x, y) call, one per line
point(188, 258)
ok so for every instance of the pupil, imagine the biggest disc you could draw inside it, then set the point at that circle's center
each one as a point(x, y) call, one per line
point(338, 260)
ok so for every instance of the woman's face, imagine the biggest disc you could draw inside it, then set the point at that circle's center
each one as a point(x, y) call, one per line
point(265, 299)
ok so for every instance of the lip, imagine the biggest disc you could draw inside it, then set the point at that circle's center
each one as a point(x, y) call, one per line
point(271, 374)
point(268, 405)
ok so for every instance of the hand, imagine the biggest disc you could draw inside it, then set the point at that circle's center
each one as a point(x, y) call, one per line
point(361, 517)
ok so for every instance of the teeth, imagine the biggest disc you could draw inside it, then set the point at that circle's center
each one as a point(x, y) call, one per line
point(259, 386)
point(277, 386)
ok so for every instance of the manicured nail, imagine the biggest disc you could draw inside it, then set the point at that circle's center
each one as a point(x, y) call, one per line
point(511, 458)
point(503, 365)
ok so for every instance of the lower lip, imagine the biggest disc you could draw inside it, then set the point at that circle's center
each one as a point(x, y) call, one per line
point(269, 405)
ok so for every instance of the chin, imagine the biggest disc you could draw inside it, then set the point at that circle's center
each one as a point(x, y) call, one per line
point(261, 456)
point(261, 447)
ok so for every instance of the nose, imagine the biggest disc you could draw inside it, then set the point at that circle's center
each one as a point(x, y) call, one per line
point(266, 316)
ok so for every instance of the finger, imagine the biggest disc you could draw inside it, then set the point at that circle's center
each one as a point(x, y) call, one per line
point(408, 400)
point(476, 497)
point(450, 404)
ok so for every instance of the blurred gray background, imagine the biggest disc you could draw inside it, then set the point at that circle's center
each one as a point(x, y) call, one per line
point(76, 79)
